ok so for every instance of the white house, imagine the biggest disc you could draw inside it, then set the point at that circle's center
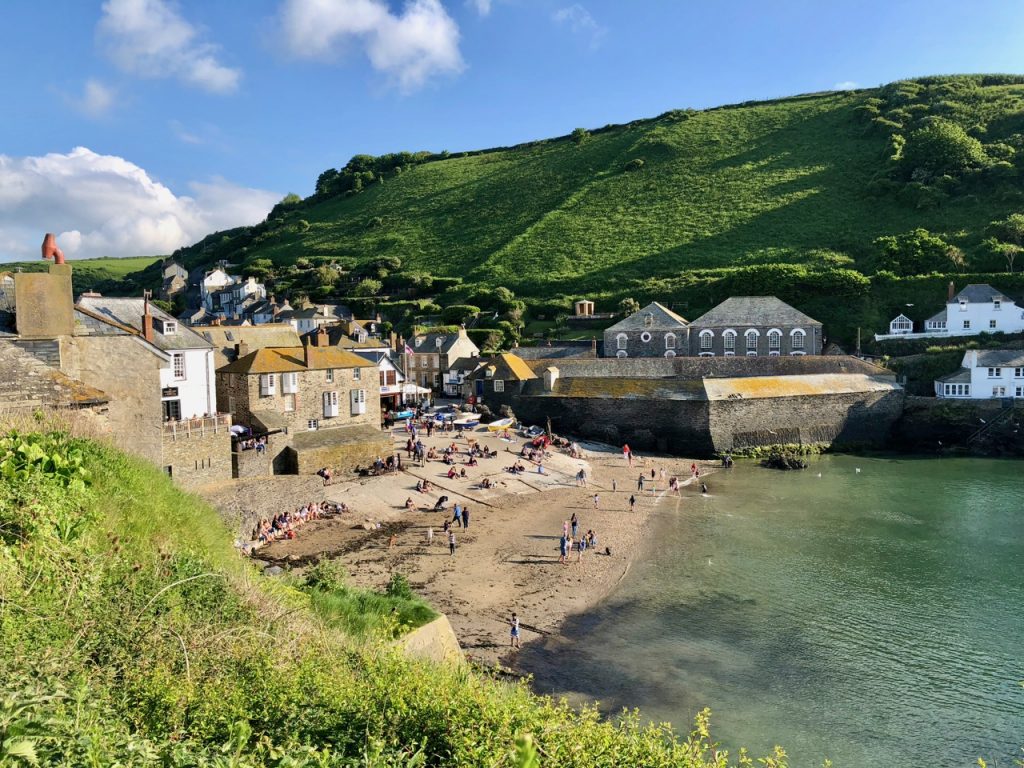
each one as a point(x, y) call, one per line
point(213, 281)
point(985, 374)
point(978, 308)
point(901, 325)
point(187, 387)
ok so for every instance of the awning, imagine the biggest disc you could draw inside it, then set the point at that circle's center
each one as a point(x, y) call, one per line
point(414, 389)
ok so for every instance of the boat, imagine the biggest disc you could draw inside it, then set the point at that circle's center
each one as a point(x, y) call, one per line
point(500, 425)
point(467, 422)
point(398, 416)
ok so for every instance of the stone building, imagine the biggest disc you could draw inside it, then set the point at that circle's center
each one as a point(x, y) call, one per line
point(228, 339)
point(654, 331)
point(321, 404)
point(497, 380)
point(754, 326)
point(429, 356)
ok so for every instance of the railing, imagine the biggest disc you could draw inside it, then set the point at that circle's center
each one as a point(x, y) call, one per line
point(200, 425)
point(999, 418)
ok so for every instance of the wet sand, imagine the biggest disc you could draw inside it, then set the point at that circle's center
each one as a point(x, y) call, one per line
point(506, 560)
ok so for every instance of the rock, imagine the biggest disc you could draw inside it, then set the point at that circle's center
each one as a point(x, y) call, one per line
point(274, 570)
point(784, 461)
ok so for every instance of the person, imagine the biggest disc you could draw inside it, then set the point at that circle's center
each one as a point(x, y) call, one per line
point(562, 550)
point(632, 503)
point(693, 469)
point(462, 473)
point(452, 473)
point(392, 540)
point(640, 483)
point(704, 488)
point(514, 624)
point(581, 548)
point(447, 525)
point(430, 535)
point(465, 517)
point(596, 499)
point(451, 543)
point(410, 504)
point(615, 485)
point(575, 524)
point(653, 475)
point(457, 518)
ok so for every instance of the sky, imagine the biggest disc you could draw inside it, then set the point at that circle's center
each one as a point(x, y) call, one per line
point(134, 127)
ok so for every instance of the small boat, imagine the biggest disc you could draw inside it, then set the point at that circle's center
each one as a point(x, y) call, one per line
point(467, 423)
point(500, 425)
point(403, 415)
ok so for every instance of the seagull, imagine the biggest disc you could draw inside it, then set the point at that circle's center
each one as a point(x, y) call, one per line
point(983, 421)
point(819, 474)
point(910, 305)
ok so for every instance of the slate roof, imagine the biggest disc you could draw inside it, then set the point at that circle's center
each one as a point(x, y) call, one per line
point(428, 343)
point(707, 367)
point(224, 338)
point(980, 293)
point(375, 356)
point(467, 363)
point(963, 376)
point(128, 312)
point(288, 359)
point(664, 319)
point(27, 383)
point(506, 367)
point(1005, 358)
point(937, 317)
point(560, 350)
point(753, 311)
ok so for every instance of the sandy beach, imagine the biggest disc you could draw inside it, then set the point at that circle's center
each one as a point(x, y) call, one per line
point(506, 560)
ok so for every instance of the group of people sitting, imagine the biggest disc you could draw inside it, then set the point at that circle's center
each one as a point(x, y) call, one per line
point(533, 454)
point(454, 473)
point(424, 486)
point(283, 525)
point(516, 469)
point(380, 466)
point(483, 452)
point(252, 443)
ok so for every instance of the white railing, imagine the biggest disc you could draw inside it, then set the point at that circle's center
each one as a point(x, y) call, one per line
point(200, 425)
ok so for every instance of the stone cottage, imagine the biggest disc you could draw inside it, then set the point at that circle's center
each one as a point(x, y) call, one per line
point(654, 331)
point(430, 355)
point(498, 380)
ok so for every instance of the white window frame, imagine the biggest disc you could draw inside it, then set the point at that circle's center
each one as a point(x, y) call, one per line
point(967, 325)
point(751, 333)
point(963, 305)
point(268, 385)
point(170, 327)
point(622, 353)
point(997, 305)
point(774, 341)
point(621, 341)
point(289, 383)
point(330, 376)
point(313, 425)
point(499, 385)
point(645, 337)
point(1018, 391)
point(707, 340)
point(357, 401)
point(670, 340)
point(178, 365)
point(729, 341)
point(670, 353)
point(995, 373)
point(357, 374)
point(999, 391)
point(798, 340)
point(1018, 373)
point(330, 403)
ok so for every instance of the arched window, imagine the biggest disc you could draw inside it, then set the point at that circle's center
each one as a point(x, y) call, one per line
point(621, 353)
point(774, 341)
point(707, 340)
point(670, 341)
point(620, 342)
point(670, 353)
point(752, 335)
point(797, 340)
point(729, 341)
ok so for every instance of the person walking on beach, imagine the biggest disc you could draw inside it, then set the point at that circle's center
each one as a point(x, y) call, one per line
point(581, 547)
point(465, 517)
point(430, 535)
point(562, 550)
point(596, 500)
point(457, 518)
point(451, 543)
point(640, 483)
point(575, 524)
point(514, 625)
point(565, 529)
point(632, 503)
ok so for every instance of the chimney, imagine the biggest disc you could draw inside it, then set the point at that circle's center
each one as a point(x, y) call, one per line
point(951, 294)
point(147, 319)
point(550, 377)
point(241, 349)
point(321, 338)
point(306, 343)
point(593, 345)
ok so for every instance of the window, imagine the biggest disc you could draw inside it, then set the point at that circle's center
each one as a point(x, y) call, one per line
point(330, 404)
point(358, 400)
point(172, 410)
point(330, 375)
point(995, 373)
point(997, 304)
point(670, 341)
point(707, 340)
point(289, 403)
point(670, 353)
point(178, 364)
point(391, 378)
point(1018, 373)
point(419, 342)
point(289, 383)
point(998, 391)
point(621, 353)
point(267, 385)
point(991, 323)
point(967, 325)
point(499, 385)
point(774, 341)
point(752, 342)
point(357, 374)
point(1018, 392)
point(170, 327)
point(645, 337)
point(797, 339)
point(313, 425)
point(620, 341)
point(412, 361)
point(435, 361)
point(956, 390)
point(729, 339)
point(963, 305)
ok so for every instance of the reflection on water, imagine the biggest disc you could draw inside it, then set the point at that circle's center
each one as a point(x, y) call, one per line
point(873, 617)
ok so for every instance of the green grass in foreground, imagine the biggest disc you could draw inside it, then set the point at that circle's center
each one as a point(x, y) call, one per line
point(132, 634)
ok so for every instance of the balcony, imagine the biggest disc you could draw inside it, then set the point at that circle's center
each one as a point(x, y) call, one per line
point(199, 426)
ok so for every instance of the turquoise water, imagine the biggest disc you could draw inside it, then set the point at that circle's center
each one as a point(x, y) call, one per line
point(875, 618)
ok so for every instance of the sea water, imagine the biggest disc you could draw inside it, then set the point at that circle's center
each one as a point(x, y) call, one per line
point(866, 610)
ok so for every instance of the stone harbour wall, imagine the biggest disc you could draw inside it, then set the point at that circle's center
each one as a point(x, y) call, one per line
point(198, 457)
point(342, 457)
point(253, 463)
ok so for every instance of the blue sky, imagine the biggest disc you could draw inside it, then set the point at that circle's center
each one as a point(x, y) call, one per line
point(195, 116)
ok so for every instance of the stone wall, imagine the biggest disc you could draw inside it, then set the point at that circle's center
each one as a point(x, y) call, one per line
point(198, 456)
point(253, 463)
point(435, 641)
point(129, 374)
point(341, 449)
point(940, 425)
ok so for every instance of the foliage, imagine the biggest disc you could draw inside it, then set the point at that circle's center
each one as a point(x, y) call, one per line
point(941, 147)
point(454, 314)
point(368, 287)
point(629, 306)
point(915, 253)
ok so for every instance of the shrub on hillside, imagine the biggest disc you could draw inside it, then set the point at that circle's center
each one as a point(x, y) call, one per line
point(940, 147)
point(916, 253)
point(458, 313)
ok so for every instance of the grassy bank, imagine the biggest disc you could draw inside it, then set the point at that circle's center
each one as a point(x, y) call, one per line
point(131, 633)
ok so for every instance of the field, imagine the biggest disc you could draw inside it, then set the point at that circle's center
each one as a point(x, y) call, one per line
point(108, 275)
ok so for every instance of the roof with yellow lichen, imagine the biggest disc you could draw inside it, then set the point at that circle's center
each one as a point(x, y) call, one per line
point(754, 387)
point(627, 389)
point(289, 359)
point(506, 367)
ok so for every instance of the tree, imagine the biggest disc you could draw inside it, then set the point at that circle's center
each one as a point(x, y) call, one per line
point(290, 199)
point(939, 148)
point(1008, 238)
point(579, 135)
point(913, 253)
point(629, 306)
point(367, 287)
point(1008, 251)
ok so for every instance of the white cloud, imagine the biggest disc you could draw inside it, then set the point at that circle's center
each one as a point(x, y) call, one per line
point(103, 205)
point(579, 20)
point(149, 38)
point(483, 7)
point(845, 85)
point(409, 48)
point(96, 99)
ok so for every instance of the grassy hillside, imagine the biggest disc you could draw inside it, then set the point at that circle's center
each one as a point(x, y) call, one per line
point(132, 634)
point(107, 275)
point(686, 207)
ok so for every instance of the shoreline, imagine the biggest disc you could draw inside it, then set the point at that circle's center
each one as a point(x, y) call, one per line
point(506, 560)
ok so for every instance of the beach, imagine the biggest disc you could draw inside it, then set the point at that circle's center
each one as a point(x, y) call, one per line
point(506, 560)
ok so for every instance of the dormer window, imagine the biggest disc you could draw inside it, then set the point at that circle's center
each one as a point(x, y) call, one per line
point(963, 305)
point(997, 304)
point(166, 327)
point(419, 342)
point(439, 342)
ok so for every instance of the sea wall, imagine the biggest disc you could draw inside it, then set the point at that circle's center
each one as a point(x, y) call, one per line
point(940, 425)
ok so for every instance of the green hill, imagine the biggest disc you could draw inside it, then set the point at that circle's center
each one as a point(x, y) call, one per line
point(132, 634)
point(685, 207)
point(107, 275)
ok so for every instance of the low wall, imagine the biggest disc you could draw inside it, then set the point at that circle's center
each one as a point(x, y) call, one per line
point(198, 457)
point(253, 463)
point(435, 642)
point(341, 449)
point(938, 425)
